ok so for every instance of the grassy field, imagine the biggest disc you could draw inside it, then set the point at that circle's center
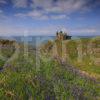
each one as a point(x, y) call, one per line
point(83, 54)
point(23, 80)
point(90, 55)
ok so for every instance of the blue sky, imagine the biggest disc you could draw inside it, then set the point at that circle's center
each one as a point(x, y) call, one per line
point(45, 17)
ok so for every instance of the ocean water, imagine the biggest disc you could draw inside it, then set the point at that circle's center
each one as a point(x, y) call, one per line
point(31, 40)
point(82, 37)
point(38, 40)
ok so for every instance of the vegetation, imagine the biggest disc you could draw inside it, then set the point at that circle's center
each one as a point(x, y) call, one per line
point(87, 60)
point(23, 80)
point(89, 56)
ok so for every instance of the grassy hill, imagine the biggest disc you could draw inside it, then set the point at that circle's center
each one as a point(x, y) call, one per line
point(21, 79)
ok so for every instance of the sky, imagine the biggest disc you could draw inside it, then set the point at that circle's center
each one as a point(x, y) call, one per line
point(46, 17)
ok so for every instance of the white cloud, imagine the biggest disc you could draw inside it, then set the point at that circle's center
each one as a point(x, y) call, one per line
point(61, 6)
point(34, 14)
point(50, 9)
point(42, 3)
point(3, 2)
point(44, 17)
point(46, 30)
point(20, 3)
point(10, 30)
point(49, 6)
point(20, 15)
point(41, 15)
point(7, 30)
point(59, 17)
point(85, 31)
point(54, 9)
point(37, 15)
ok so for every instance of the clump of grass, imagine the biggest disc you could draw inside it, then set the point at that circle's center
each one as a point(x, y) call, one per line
point(1, 64)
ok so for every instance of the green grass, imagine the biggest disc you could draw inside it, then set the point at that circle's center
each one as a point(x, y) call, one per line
point(1, 63)
point(22, 81)
point(51, 81)
point(86, 63)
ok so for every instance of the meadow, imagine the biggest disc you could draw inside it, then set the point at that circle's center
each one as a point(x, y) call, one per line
point(24, 78)
point(84, 54)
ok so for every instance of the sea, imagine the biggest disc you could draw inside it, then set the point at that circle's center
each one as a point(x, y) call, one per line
point(31, 40)
point(38, 40)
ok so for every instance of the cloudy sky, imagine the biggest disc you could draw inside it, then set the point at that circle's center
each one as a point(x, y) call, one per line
point(45, 17)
